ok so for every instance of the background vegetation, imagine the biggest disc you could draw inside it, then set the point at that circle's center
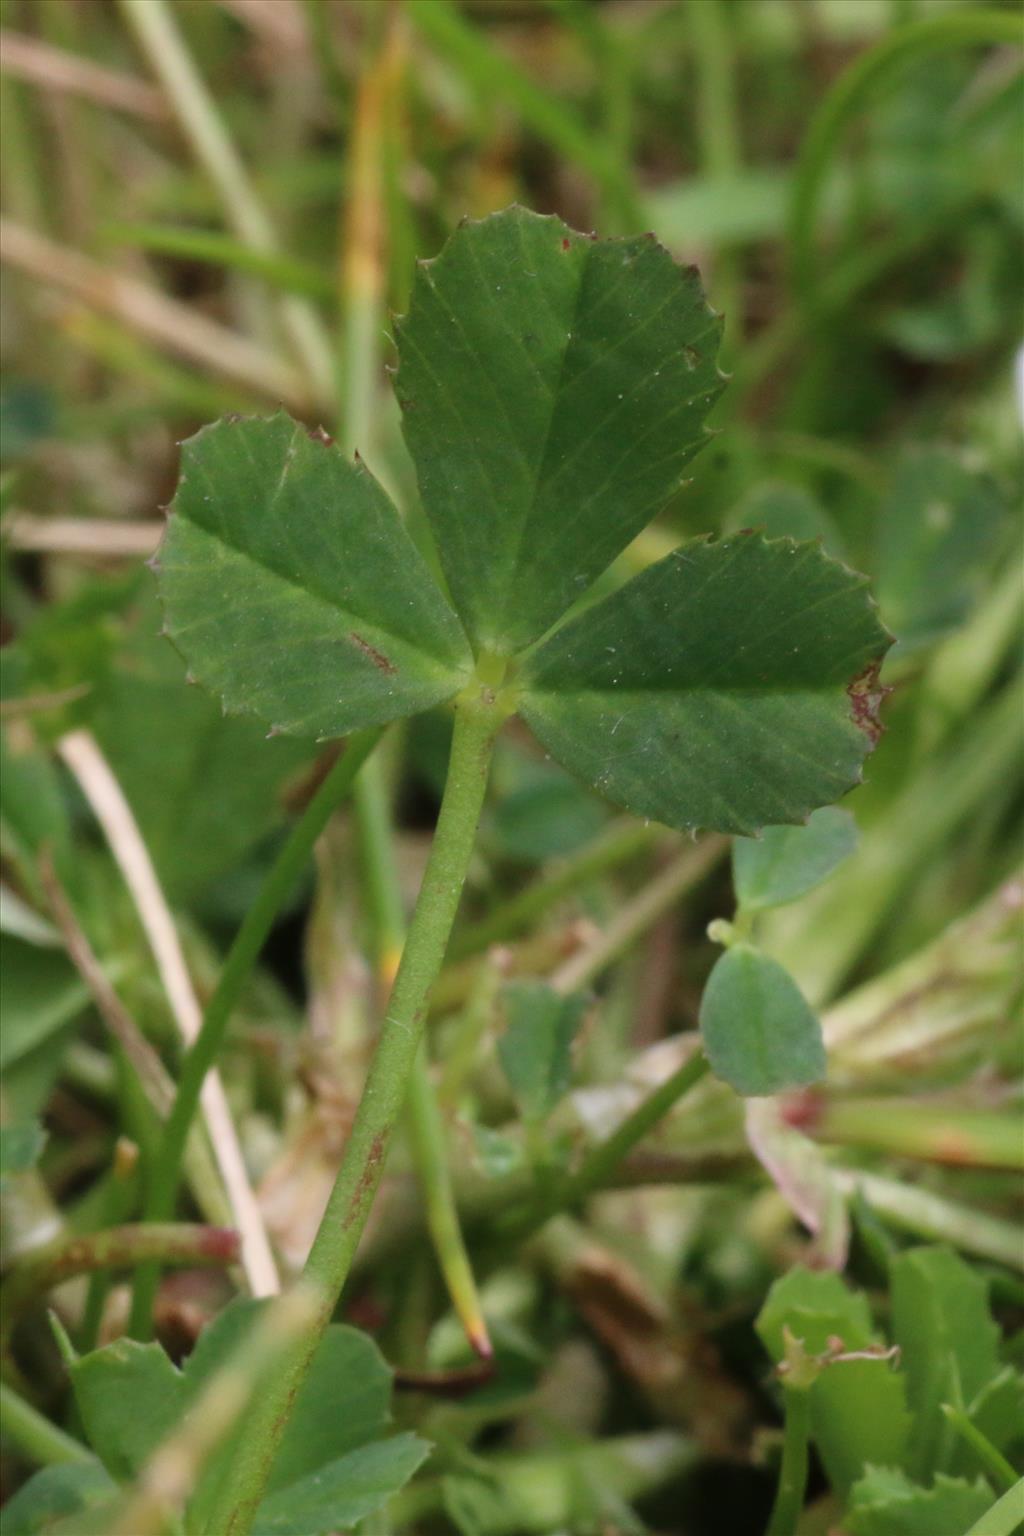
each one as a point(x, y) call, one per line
point(214, 206)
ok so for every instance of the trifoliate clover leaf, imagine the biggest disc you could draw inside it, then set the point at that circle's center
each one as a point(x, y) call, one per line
point(553, 389)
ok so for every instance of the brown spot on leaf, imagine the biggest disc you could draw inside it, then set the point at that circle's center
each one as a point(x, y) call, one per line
point(377, 657)
point(866, 694)
point(566, 243)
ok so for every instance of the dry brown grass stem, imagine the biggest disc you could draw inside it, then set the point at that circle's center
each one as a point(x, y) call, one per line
point(142, 309)
point(31, 59)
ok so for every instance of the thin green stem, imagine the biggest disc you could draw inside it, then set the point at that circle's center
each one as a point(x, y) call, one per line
point(838, 288)
point(214, 249)
point(931, 1216)
point(462, 1044)
point(426, 1125)
point(31, 1432)
point(478, 716)
point(435, 1177)
point(156, 1502)
point(635, 917)
point(789, 1498)
point(493, 75)
point(934, 1132)
point(363, 289)
point(179, 1243)
point(989, 1458)
point(613, 54)
point(119, 1196)
point(961, 29)
point(718, 130)
point(249, 941)
point(599, 1165)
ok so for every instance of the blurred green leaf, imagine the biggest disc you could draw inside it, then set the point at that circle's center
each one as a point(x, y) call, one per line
point(42, 994)
point(779, 510)
point(22, 921)
point(204, 787)
point(948, 1342)
point(342, 1492)
point(20, 1147)
point(997, 1411)
point(786, 862)
point(759, 1033)
point(974, 286)
point(940, 528)
point(886, 1503)
point(723, 211)
point(816, 1305)
point(212, 246)
point(332, 1467)
point(33, 812)
point(130, 1397)
point(478, 1505)
point(1005, 1516)
point(54, 1494)
point(28, 415)
point(497, 1155)
point(728, 686)
point(535, 1050)
point(65, 653)
point(345, 1401)
point(553, 388)
point(546, 815)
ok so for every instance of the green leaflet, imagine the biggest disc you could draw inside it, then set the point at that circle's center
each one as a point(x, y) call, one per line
point(553, 388)
point(729, 686)
point(55, 1495)
point(176, 757)
point(759, 1033)
point(535, 1050)
point(779, 509)
point(949, 1344)
point(292, 589)
point(787, 862)
point(332, 1467)
point(939, 529)
point(130, 1396)
point(20, 1147)
point(343, 1491)
point(42, 994)
point(886, 1503)
point(858, 1407)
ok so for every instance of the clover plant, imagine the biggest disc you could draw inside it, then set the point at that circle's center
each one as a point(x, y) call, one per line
point(553, 388)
